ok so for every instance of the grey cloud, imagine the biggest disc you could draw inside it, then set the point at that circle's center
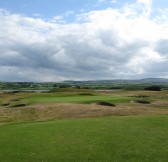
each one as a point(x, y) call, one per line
point(43, 51)
point(162, 47)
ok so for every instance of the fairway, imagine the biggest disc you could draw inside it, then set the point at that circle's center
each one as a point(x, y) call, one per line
point(116, 139)
point(75, 99)
point(45, 127)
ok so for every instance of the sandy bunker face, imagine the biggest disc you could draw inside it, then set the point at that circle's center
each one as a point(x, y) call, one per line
point(105, 104)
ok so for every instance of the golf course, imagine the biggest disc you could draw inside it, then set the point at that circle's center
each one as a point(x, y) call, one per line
point(77, 125)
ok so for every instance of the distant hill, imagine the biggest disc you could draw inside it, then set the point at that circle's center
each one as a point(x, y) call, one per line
point(145, 80)
point(127, 84)
point(154, 80)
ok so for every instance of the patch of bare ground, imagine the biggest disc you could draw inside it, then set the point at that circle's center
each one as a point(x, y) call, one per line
point(138, 93)
point(162, 104)
point(44, 112)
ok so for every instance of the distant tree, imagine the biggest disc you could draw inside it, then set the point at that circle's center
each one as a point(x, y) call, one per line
point(64, 86)
point(78, 87)
point(153, 88)
point(85, 87)
point(55, 85)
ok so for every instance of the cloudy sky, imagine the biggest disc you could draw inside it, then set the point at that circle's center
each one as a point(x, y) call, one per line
point(55, 40)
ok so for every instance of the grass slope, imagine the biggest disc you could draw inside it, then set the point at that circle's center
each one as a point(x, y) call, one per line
point(76, 99)
point(117, 139)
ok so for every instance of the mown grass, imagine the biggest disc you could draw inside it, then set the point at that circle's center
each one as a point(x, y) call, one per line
point(85, 99)
point(111, 139)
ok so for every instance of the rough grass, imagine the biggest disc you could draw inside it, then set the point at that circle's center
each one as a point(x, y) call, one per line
point(22, 107)
point(117, 139)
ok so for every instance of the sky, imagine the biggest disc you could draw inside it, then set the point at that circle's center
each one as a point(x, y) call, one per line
point(53, 40)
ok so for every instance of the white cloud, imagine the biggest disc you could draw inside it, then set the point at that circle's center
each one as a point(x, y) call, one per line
point(101, 1)
point(147, 6)
point(105, 44)
point(147, 2)
point(114, 1)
